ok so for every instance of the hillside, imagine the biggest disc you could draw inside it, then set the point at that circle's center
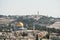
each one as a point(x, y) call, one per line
point(39, 21)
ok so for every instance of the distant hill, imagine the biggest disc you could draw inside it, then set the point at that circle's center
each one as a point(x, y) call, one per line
point(31, 20)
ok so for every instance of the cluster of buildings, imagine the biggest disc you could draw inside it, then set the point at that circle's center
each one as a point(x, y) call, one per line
point(18, 32)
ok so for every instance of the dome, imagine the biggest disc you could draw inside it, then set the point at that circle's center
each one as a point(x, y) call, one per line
point(20, 24)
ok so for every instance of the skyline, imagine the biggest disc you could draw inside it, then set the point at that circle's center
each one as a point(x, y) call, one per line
point(30, 7)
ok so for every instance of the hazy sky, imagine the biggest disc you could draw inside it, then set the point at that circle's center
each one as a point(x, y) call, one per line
point(25, 7)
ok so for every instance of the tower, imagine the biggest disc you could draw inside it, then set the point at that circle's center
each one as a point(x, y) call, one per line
point(38, 13)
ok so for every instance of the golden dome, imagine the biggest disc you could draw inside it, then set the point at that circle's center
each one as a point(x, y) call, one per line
point(20, 24)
